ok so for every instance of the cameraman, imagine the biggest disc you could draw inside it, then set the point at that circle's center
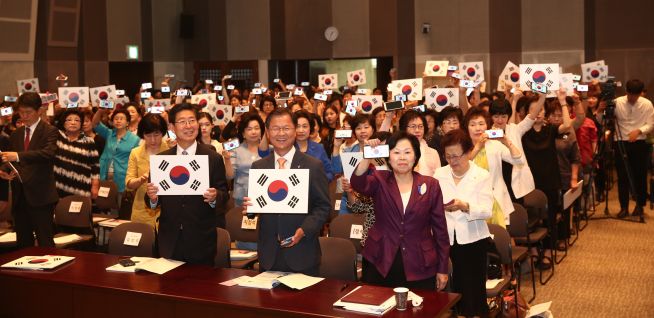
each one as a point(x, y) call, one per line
point(634, 119)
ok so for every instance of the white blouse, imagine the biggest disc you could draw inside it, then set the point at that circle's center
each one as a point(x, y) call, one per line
point(475, 189)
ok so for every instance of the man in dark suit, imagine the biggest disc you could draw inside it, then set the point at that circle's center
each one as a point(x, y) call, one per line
point(303, 253)
point(32, 150)
point(187, 225)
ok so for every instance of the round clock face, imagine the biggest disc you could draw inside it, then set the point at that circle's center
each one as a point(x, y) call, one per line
point(331, 33)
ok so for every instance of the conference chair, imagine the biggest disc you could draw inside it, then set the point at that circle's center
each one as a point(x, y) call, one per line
point(333, 197)
point(109, 203)
point(145, 247)
point(233, 220)
point(79, 223)
point(222, 249)
point(341, 226)
point(502, 242)
point(536, 204)
point(338, 260)
point(519, 229)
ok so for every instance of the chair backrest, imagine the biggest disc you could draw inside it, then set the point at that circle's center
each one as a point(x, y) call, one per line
point(81, 219)
point(502, 242)
point(333, 196)
point(233, 220)
point(145, 246)
point(338, 260)
point(519, 221)
point(536, 204)
point(341, 226)
point(222, 259)
point(111, 201)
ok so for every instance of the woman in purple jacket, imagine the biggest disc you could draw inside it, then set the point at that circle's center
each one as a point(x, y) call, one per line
point(408, 245)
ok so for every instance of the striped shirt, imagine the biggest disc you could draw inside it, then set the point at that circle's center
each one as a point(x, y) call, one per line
point(76, 164)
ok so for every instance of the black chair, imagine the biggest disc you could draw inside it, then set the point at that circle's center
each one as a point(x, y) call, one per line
point(333, 197)
point(519, 229)
point(502, 242)
point(145, 247)
point(233, 220)
point(109, 203)
point(78, 223)
point(341, 226)
point(536, 204)
point(222, 259)
point(338, 260)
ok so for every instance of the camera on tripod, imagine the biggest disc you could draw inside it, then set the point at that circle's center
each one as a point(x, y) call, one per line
point(608, 95)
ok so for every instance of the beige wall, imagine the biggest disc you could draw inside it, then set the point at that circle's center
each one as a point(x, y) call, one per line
point(352, 19)
point(248, 34)
point(166, 43)
point(10, 72)
point(123, 28)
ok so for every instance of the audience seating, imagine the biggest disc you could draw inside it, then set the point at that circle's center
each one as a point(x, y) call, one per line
point(110, 203)
point(79, 223)
point(536, 204)
point(146, 246)
point(341, 227)
point(222, 249)
point(519, 229)
point(502, 242)
point(233, 220)
point(339, 259)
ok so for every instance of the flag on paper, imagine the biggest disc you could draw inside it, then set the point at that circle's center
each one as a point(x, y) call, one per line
point(439, 98)
point(436, 68)
point(368, 102)
point(221, 114)
point(164, 102)
point(204, 99)
point(544, 74)
point(566, 81)
point(472, 71)
point(28, 85)
point(412, 88)
point(328, 81)
point(350, 160)
point(120, 102)
point(356, 78)
point(180, 175)
point(510, 75)
point(74, 96)
point(102, 93)
point(279, 190)
point(594, 71)
point(48, 98)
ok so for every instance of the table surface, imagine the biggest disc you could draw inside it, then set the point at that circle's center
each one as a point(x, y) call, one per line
point(196, 283)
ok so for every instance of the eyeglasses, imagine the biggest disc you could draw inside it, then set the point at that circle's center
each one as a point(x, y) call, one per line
point(277, 130)
point(416, 127)
point(453, 158)
point(188, 122)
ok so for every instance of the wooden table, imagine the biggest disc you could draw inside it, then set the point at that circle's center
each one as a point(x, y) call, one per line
point(83, 288)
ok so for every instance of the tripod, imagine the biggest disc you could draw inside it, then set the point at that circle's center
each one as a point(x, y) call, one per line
point(606, 150)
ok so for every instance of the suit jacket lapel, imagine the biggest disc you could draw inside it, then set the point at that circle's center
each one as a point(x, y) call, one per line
point(38, 131)
point(414, 193)
point(298, 160)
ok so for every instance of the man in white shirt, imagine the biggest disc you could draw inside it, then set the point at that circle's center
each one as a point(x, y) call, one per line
point(634, 120)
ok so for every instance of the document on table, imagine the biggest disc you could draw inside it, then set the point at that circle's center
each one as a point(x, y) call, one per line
point(8, 237)
point(67, 239)
point(270, 279)
point(153, 265)
point(363, 308)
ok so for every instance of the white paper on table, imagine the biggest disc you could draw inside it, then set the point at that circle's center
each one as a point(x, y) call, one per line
point(8, 237)
point(235, 281)
point(279, 190)
point(180, 175)
point(570, 196)
point(299, 281)
point(67, 239)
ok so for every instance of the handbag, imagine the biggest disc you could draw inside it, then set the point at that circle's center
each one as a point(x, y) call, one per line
point(509, 305)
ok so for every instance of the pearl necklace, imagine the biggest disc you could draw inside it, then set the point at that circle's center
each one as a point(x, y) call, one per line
point(458, 177)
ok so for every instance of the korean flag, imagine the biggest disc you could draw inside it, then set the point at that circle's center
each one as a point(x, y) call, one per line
point(74, 96)
point(436, 68)
point(350, 160)
point(544, 74)
point(204, 99)
point(439, 98)
point(102, 93)
point(368, 102)
point(165, 103)
point(472, 71)
point(120, 102)
point(328, 81)
point(279, 191)
point(412, 88)
point(221, 114)
point(566, 82)
point(594, 71)
point(180, 175)
point(28, 85)
point(356, 78)
point(510, 75)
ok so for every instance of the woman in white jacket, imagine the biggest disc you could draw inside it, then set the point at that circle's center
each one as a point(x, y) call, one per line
point(468, 200)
